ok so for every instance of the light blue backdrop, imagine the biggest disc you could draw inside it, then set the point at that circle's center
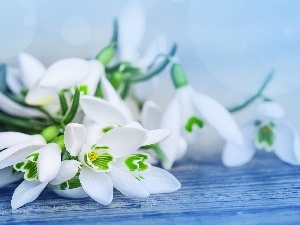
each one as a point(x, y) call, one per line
point(227, 46)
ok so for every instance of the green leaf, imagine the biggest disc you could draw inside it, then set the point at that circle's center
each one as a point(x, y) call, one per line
point(3, 77)
point(74, 107)
point(63, 102)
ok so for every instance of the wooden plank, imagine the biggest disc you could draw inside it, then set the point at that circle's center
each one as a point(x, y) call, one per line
point(265, 191)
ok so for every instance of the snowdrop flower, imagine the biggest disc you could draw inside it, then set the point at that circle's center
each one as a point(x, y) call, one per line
point(112, 161)
point(267, 131)
point(26, 76)
point(186, 114)
point(19, 140)
point(65, 74)
point(151, 116)
point(18, 79)
point(39, 163)
point(98, 158)
point(102, 116)
point(131, 32)
point(9, 175)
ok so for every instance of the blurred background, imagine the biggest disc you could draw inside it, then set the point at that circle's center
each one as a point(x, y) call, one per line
point(227, 47)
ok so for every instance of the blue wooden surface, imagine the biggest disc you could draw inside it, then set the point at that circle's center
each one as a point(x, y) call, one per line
point(265, 191)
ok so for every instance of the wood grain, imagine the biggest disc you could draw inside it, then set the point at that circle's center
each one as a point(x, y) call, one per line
point(265, 191)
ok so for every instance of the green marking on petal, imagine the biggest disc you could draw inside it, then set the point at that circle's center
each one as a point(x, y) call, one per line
point(29, 167)
point(71, 184)
point(99, 147)
point(86, 161)
point(193, 121)
point(101, 162)
point(257, 123)
point(137, 162)
point(19, 166)
point(33, 157)
point(139, 177)
point(84, 89)
point(265, 135)
point(106, 129)
point(30, 170)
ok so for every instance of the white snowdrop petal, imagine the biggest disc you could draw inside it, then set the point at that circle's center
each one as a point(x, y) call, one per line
point(15, 109)
point(218, 116)
point(101, 111)
point(10, 138)
point(7, 177)
point(71, 193)
point(151, 115)
point(155, 136)
point(97, 185)
point(287, 144)
point(26, 192)
point(92, 80)
point(127, 184)
point(114, 98)
point(270, 110)
point(48, 163)
point(157, 181)
point(41, 96)
point(181, 148)
point(123, 141)
point(68, 169)
point(66, 73)
point(93, 131)
point(13, 80)
point(32, 69)
point(169, 121)
point(131, 31)
point(134, 124)
point(74, 136)
point(16, 154)
point(237, 155)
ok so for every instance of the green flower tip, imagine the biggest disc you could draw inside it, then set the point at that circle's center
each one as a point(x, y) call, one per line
point(178, 76)
point(193, 121)
point(60, 141)
point(107, 54)
point(266, 136)
point(50, 133)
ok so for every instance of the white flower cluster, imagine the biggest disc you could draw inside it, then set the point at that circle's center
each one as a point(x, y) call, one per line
point(69, 127)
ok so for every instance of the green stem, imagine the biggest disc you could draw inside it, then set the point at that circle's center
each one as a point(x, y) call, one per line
point(63, 102)
point(114, 38)
point(48, 114)
point(74, 107)
point(21, 123)
point(39, 108)
point(125, 90)
point(152, 72)
point(255, 96)
point(159, 152)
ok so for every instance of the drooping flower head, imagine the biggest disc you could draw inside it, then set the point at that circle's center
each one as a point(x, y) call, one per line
point(268, 131)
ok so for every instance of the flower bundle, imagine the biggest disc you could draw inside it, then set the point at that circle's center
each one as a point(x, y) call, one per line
point(69, 127)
